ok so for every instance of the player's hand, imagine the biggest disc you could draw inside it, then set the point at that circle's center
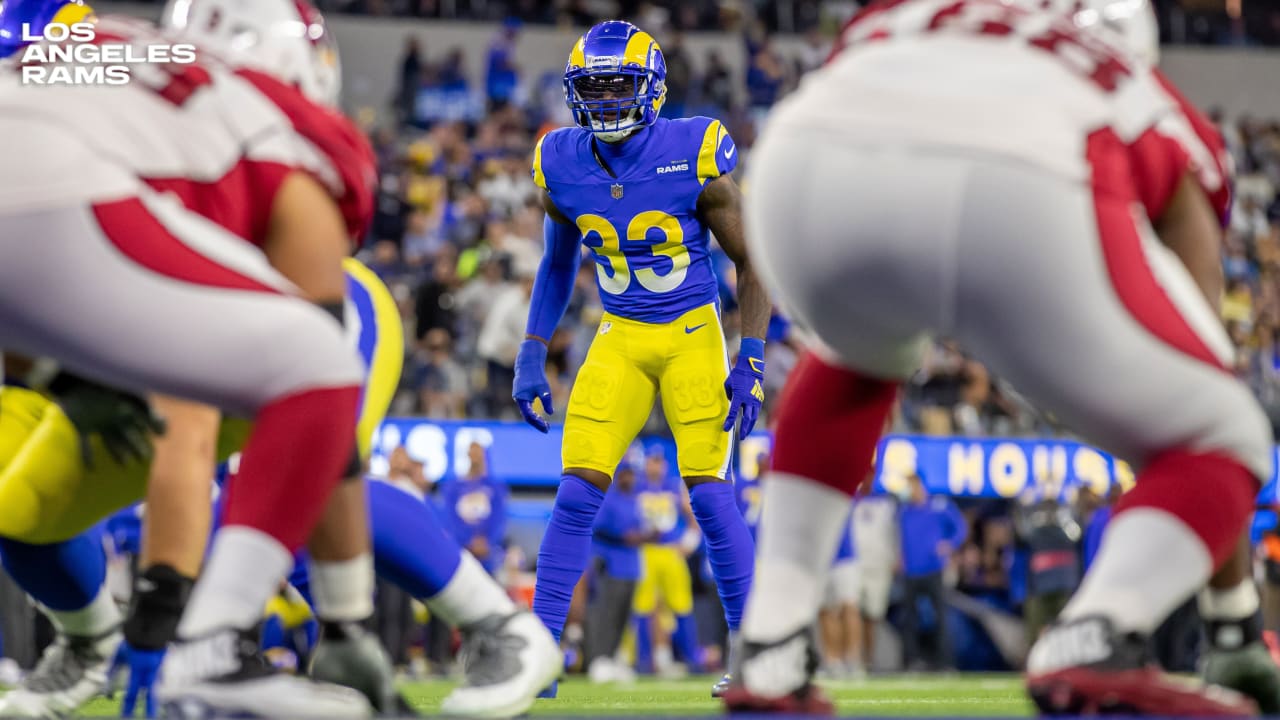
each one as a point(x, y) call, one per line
point(531, 383)
point(745, 387)
point(159, 596)
point(143, 668)
point(124, 421)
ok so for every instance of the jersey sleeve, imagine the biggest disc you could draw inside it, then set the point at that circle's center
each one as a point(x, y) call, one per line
point(352, 173)
point(717, 154)
point(1205, 149)
point(544, 157)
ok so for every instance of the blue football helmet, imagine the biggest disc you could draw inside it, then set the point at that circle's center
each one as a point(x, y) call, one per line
point(616, 80)
point(35, 14)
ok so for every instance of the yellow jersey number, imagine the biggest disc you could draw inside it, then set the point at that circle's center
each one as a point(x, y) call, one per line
point(609, 247)
point(658, 510)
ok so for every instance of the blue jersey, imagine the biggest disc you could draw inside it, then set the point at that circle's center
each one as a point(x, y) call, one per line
point(476, 508)
point(619, 515)
point(639, 217)
point(660, 508)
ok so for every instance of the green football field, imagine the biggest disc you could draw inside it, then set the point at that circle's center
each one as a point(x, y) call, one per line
point(914, 695)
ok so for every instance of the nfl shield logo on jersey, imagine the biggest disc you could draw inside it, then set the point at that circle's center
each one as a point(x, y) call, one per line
point(616, 191)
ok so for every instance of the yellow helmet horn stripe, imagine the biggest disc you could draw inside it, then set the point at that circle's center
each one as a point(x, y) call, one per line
point(638, 49)
point(72, 13)
point(578, 56)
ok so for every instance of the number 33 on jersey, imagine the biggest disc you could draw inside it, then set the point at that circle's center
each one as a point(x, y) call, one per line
point(637, 210)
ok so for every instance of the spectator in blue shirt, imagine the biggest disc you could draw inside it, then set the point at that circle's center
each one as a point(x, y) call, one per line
point(502, 77)
point(475, 508)
point(932, 529)
point(1096, 525)
point(617, 536)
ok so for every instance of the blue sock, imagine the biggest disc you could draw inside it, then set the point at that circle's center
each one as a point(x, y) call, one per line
point(644, 644)
point(729, 546)
point(300, 579)
point(686, 639)
point(63, 576)
point(566, 548)
point(410, 545)
point(272, 633)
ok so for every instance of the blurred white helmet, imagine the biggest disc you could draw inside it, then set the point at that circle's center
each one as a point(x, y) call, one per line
point(1129, 24)
point(284, 38)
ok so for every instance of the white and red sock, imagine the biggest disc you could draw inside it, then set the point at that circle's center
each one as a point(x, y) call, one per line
point(244, 568)
point(299, 450)
point(342, 591)
point(471, 595)
point(829, 420)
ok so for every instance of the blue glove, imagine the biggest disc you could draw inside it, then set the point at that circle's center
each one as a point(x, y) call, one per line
point(143, 667)
point(745, 387)
point(531, 383)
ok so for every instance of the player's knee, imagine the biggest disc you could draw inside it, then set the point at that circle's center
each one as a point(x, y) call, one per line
point(704, 461)
point(592, 477)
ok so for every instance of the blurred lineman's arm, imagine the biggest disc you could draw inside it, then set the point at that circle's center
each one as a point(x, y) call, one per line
point(1188, 228)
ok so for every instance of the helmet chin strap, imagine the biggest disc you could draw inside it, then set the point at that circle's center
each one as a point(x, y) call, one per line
point(613, 136)
point(617, 135)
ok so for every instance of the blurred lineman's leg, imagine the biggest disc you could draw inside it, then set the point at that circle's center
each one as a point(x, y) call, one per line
point(829, 421)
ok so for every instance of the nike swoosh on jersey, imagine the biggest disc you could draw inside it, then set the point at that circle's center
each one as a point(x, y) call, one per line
point(729, 152)
point(695, 328)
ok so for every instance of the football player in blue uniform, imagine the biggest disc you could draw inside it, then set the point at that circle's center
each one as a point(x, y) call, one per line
point(644, 194)
point(664, 574)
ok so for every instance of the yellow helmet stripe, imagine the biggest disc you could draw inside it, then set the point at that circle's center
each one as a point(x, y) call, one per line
point(578, 56)
point(638, 48)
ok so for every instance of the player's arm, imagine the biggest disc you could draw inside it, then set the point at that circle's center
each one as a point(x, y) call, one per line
point(1188, 227)
point(553, 285)
point(720, 207)
point(307, 240)
point(552, 288)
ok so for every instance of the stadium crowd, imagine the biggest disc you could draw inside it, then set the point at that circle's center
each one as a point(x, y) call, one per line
point(457, 236)
point(1193, 22)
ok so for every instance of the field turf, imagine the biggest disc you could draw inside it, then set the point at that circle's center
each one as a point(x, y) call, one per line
point(897, 695)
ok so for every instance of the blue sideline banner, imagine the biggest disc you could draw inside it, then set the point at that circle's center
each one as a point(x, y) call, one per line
point(957, 466)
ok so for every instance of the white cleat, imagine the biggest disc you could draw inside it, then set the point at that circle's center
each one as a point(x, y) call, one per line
point(224, 674)
point(507, 661)
point(71, 672)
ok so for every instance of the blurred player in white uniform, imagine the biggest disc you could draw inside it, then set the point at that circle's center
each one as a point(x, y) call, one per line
point(1008, 178)
point(878, 545)
point(127, 208)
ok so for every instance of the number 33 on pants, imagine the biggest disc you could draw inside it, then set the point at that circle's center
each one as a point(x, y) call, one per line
point(627, 369)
